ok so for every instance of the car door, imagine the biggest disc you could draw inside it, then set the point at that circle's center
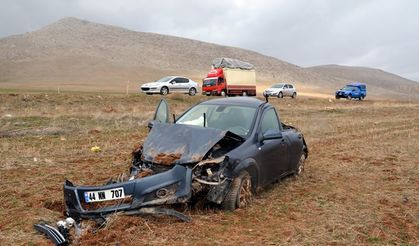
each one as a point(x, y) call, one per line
point(356, 92)
point(173, 85)
point(285, 90)
point(272, 154)
point(184, 85)
point(161, 114)
point(291, 89)
point(181, 85)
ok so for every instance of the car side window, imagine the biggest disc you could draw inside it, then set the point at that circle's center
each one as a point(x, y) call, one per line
point(269, 121)
point(182, 80)
point(285, 86)
point(220, 81)
point(290, 86)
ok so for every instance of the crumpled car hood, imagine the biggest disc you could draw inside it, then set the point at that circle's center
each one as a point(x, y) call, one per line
point(169, 144)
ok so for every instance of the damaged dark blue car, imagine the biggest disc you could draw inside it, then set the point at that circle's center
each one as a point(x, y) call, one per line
point(221, 149)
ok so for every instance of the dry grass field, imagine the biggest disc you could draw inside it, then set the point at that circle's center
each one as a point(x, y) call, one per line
point(360, 185)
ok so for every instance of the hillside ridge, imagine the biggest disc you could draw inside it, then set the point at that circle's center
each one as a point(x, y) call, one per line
point(78, 53)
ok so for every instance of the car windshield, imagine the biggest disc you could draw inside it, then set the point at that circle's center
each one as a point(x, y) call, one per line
point(209, 82)
point(165, 79)
point(278, 86)
point(237, 119)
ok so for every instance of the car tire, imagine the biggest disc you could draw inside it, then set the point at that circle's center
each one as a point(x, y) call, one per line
point(280, 95)
point(164, 91)
point(244, 94)
point(300, 165)
point(361, 98)
point(223, 93)
point(240, 193)
point(349, 97)
point(294, 95)
point(192, 91)
point(336, 97)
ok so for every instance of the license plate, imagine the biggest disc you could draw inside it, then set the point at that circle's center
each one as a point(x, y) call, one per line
point(104, 195)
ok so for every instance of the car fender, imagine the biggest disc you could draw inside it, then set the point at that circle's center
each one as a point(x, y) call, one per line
point(249, 165)
point(168, 85)
point(157, 85)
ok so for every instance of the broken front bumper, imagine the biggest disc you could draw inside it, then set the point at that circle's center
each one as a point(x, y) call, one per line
point(169, 187)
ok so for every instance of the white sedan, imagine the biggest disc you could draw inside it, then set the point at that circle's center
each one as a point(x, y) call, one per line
point(281, 90)
point(171, 84)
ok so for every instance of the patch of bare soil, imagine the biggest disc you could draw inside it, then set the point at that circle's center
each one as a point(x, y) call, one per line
point(57, 205)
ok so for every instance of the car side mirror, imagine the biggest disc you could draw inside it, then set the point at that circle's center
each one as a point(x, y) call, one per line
point(270, 135)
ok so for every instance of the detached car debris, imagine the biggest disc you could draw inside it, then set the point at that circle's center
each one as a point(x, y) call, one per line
point(221, 149)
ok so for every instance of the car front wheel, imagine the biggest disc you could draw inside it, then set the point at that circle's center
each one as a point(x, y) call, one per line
point(192, 91)
point(349, 97)
point(240, 193)
point(223, 93)
point(280, 95)
point(164, 91)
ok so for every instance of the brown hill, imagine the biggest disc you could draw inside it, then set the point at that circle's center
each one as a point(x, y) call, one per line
point(77, 54)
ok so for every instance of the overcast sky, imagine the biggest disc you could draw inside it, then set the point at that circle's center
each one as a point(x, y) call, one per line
point(374, 33)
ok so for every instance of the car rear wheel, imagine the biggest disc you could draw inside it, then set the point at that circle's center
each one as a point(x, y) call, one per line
point(192, 91)
point(244, 93)
point(294, 95)
point(280, 95)
point(300, 165)
point(164, 90)
point(240, 193)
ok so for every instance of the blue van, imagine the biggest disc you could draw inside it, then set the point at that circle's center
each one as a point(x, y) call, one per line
point(352, 90)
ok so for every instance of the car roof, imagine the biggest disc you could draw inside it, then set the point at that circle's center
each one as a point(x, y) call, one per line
point(237, 101)
point(356, 84)
point(174, 76)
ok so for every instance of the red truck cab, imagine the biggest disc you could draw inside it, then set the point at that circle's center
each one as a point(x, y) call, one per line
point(214, 83)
